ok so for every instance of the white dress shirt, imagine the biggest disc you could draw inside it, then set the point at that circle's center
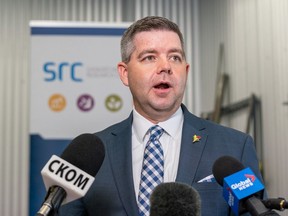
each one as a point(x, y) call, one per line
point(170, 141)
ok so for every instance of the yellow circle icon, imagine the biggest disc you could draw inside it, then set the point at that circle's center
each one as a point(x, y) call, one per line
point(113, 103)
point(57, 102)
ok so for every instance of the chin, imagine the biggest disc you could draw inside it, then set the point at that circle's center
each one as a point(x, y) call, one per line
point(164, 107)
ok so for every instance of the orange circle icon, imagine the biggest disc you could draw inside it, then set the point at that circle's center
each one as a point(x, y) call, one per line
point(57, 102)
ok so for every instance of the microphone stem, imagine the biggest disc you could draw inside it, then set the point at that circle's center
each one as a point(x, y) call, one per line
point(53, 200)
point(255, 207)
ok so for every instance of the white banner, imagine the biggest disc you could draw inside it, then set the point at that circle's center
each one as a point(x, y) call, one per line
point(75, 88)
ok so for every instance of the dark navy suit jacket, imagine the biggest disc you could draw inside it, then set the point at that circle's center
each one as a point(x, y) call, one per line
point(112, 193)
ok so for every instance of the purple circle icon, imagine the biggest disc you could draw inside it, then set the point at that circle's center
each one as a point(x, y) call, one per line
point(85, 102)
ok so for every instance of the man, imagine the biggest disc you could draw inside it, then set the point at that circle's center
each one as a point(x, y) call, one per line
point(154, 68)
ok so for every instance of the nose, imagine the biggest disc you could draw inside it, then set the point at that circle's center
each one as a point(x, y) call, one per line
point(164, 66)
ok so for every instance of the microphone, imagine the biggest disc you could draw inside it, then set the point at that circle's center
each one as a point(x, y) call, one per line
point(241, 187)
point(69, 176)
point(276, 203)
point(174, 199)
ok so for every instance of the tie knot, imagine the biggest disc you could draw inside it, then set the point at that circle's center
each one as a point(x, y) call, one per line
point(155, 132)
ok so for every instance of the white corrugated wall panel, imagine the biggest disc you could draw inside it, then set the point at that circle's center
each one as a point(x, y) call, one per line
point(273, 17)
point(255, 38)
point(13, 72)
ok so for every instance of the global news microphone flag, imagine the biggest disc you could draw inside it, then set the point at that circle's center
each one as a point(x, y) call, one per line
point(75, 89)
point(240, 185)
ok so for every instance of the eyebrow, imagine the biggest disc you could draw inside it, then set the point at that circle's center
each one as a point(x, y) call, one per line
point(153, 51)
point(177, 51)
point(144, 52)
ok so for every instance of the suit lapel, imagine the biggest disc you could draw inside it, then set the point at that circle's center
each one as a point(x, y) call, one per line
point(120, 156)
point(191, 150)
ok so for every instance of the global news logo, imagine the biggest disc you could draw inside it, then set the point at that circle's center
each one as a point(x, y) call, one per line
point(62, 71)
point(242, 185)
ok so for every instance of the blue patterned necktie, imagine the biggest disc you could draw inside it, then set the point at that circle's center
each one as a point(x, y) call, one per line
point(152, 170)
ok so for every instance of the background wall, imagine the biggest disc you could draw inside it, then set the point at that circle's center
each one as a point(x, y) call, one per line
point(255, 38)
point(254, 34)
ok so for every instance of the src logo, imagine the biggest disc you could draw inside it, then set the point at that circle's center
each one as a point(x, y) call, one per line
point(54, 71)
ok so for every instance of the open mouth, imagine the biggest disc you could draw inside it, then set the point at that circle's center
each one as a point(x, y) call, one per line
point(162, 86)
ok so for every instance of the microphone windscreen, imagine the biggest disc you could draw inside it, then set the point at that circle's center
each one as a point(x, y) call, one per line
point(86, 152)
point(174, 199)
point(225, 166)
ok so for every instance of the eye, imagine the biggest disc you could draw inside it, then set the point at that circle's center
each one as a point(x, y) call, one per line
point(149, 58)
point(176, 58)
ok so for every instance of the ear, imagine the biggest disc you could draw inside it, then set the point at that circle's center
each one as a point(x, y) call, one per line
point(123, 73)
point(187, 68)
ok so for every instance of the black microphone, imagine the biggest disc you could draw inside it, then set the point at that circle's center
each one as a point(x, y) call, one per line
point(69, 176)
point(242, 189)
point(276, 203)
point(174, 199)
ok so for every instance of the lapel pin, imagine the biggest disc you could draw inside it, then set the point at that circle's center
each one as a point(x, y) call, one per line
point(196, 138)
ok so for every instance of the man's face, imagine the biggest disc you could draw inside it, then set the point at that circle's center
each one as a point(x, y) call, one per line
point(156, 74)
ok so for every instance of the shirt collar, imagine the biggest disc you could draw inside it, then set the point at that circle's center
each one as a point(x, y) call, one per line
point(171, 126)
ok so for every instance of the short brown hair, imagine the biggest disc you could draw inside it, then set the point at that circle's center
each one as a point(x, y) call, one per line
point(146, 24)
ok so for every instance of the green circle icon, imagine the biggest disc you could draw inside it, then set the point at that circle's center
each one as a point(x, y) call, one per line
point(113, 103)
